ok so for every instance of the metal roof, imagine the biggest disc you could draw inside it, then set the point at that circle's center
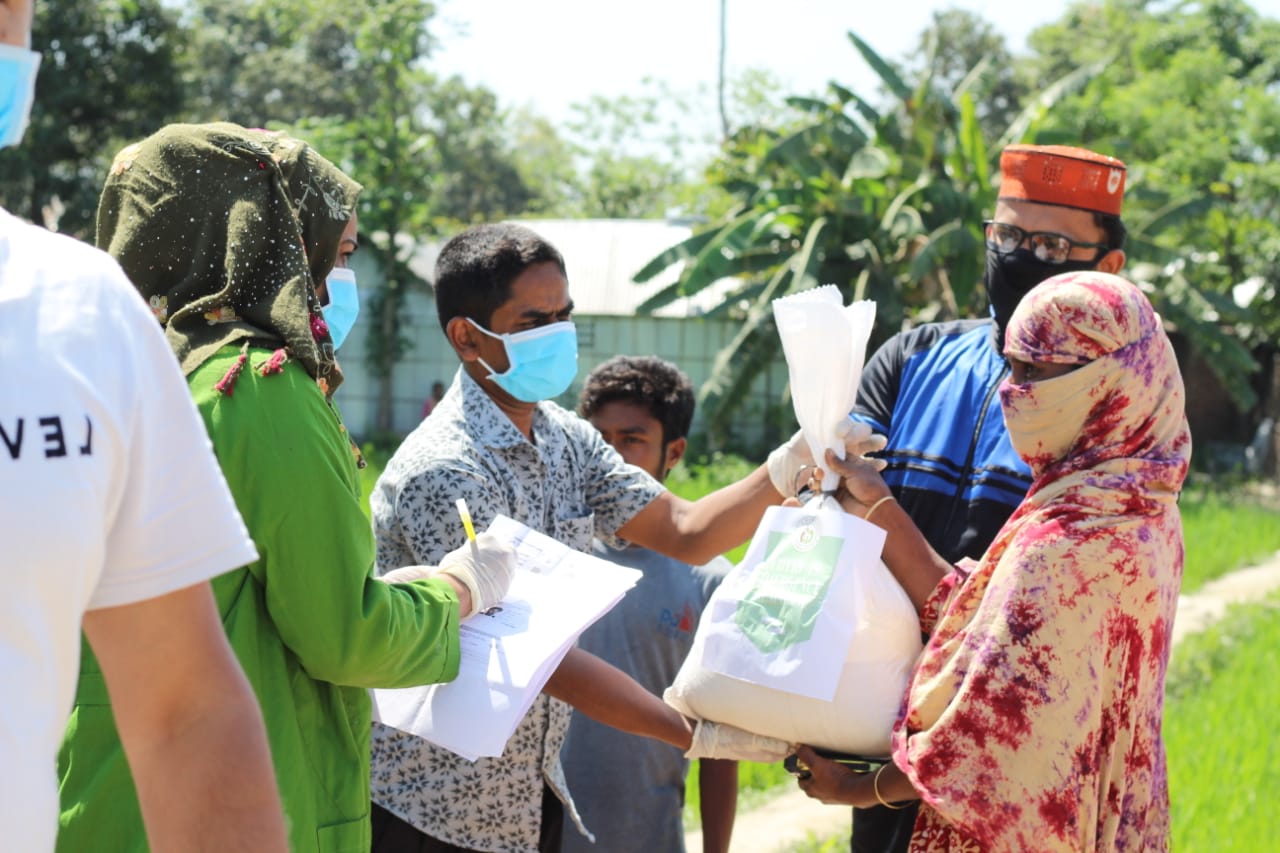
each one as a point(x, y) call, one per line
point(601, 257)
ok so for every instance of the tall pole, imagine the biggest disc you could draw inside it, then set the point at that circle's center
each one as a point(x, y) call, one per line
point(724, 116)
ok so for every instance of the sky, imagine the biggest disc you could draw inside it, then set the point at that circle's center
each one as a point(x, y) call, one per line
point(548, 54)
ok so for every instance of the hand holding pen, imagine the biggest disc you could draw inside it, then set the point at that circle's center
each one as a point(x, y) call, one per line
point(483, 568)
point(485, 565)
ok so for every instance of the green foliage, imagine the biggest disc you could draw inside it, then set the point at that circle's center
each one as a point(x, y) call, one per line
point(1221, 715)
point(884, 203)
point(635, 156)
point(1189, 102)
point(692, 479)
point(106, 78)
point(885, 200)
point(281, 62)
point(1225, 527)
point(757, 784)
point(961, 53)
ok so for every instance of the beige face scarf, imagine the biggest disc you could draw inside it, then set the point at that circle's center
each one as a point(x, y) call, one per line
point(1044, 418)
point(1032, 721)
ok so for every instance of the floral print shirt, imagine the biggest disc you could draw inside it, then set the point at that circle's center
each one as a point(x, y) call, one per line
point(569, 484)
point(1032, 721)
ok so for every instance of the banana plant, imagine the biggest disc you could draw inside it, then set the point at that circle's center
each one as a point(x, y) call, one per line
point(885, 203)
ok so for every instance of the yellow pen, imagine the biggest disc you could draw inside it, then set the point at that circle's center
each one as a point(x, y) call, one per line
point(465, 515)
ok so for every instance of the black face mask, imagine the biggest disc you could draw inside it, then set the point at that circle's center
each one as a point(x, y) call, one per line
point(1010, 277)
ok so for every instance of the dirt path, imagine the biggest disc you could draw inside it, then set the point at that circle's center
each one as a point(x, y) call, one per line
point(790, 819)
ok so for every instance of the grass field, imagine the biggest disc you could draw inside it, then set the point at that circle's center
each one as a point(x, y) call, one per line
point(1222, 711)
point(1226, 528)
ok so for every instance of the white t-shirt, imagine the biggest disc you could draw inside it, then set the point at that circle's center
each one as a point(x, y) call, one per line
point(109, 492)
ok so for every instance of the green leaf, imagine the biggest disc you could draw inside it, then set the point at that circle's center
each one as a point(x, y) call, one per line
point(971, 80)
point(807, 261)
point(1193, 208)
point(899, 202)
point(681, 251)
point(972, 147)
point(887, 73)
point(1067, 84)
point(951, 239)
point(807, 104)
point(717, 258)
point(869, 162)
point(869, 113)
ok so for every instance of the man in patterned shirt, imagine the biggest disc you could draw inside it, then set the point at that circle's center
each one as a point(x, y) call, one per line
point(503, 301)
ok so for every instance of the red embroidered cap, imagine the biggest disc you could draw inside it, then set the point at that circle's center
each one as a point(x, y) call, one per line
point(1062, 175)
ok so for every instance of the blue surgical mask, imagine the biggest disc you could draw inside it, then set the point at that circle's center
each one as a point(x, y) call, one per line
point(344, 304)
point(541, 362)
point(18, 67)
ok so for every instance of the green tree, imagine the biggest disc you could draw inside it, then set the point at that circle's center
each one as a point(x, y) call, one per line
point(282, 62)
point(962, 51)
point(1189, 101)
point(106, 77)
point(642, 155)
point(353, 78)
point(886, 203)
point(389, 147)
point(639, 156)
point(547, 165)
point(477, 176)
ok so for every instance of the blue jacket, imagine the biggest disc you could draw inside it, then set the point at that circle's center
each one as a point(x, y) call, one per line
point(932, 391)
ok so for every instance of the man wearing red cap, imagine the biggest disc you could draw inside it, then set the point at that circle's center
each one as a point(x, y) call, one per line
point(932, 389)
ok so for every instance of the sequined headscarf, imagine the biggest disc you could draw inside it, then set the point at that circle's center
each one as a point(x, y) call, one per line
point(1032, 721)
point(226, 231)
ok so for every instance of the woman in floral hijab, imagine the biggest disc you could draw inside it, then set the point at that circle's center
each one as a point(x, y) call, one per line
point(228, 233)
point(1032, 721)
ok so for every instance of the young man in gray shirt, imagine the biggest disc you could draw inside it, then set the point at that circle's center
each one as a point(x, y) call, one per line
point(633, 801)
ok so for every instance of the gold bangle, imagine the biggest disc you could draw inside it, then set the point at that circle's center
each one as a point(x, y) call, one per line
point(875, 506)
point(875, 786)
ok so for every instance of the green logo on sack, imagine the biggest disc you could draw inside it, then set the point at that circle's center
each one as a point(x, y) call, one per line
point(788, 589)
point(805, 538)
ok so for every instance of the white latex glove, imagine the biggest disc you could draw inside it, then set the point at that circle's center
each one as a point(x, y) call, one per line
point(487, 581)
point(719, 740)
point(859, 440)
point(787, 462)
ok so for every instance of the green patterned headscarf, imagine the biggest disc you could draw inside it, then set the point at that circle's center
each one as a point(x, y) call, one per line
point(226, 231)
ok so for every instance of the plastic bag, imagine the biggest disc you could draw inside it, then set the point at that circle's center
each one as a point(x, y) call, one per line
point(814, 651)
point(819, 649)
point(825, 343)
point(783, 616)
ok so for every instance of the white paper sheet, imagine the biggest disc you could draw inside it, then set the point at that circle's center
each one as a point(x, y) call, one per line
point(509, 652)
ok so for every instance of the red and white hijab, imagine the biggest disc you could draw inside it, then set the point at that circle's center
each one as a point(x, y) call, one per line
point(1032, 721)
